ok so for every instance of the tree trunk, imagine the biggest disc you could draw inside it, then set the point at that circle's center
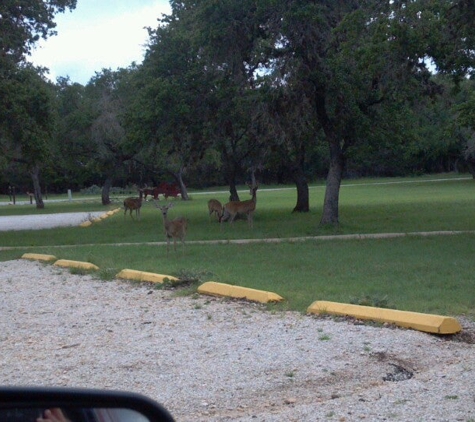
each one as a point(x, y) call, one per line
point(183, 190)
point(332, 191)
point(178, 176)
point(230, 168)
point(233, 194)
point(253, 170)
point(106, 191)
point(35, 176)
point(302, 190)
point(471, 167)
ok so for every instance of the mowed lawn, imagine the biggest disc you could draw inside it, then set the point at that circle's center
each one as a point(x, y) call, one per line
point(430, 273)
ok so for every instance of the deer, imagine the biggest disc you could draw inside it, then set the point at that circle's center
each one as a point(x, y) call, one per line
point(175, 228)
point(149, 191)
point(232, 208)
point(214, 206)
point(133, 203)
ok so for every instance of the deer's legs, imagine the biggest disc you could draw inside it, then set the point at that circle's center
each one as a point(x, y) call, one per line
point(168, 243)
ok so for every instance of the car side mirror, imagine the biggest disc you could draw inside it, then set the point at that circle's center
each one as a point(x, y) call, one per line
point(27, 404)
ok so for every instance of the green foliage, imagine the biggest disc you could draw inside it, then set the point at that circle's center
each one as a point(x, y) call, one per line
point(24, 23)
point(366, 300)
point(324, 337)
point(108, 274)
point(467, 113)
point(27, 124)
point(192, 276)
point(74, 147)
point(26, 120)
point(168, 115)
point(80, 271)
point(91, 190)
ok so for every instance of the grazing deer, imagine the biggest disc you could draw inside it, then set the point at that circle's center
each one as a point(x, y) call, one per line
point(132, 203)
point(175, 228)
point(214, 206)
point(231, 209)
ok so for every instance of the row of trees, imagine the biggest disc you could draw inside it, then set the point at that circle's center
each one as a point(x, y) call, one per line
point(287, 90)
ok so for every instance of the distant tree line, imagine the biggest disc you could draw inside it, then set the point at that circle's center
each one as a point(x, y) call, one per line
point(283, 91)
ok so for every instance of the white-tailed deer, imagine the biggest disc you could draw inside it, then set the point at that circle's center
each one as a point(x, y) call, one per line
point(175, 228)
point(231, 209)
point(214, 206)
point(131, 204)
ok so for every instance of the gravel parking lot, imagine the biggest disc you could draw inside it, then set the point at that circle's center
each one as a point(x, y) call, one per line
point(211, 359)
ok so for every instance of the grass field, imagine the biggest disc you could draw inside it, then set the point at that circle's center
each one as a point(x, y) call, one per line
point(421, 273)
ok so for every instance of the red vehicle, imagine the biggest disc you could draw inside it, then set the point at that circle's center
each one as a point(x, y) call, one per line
point(166, 189)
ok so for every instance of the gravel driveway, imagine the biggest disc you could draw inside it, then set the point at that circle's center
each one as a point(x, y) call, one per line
point(46, 221)
point(211, 359)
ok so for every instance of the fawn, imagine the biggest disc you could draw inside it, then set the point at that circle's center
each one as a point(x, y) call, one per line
point(214, 206)
point(133, 204)
point(175, 228)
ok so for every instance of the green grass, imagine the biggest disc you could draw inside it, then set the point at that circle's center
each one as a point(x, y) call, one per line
point(426, 274)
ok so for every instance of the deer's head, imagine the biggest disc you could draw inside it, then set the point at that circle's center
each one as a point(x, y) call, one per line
point(164, 208)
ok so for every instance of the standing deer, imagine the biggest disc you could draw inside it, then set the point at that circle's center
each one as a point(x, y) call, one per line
point(175, 228)
point(214, 206)
point(231, 209)
point(133, 203)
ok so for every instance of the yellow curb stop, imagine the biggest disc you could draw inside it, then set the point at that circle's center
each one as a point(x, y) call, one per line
point(428, 323)
point(75, 264)
point(85, 224)
point(39, 257)
point(220, 289)
point(144, 276)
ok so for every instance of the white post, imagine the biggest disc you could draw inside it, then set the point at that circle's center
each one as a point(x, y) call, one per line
point(70, 196)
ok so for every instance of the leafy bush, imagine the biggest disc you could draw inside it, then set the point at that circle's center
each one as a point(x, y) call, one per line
point(92, 190)
point(115, 190)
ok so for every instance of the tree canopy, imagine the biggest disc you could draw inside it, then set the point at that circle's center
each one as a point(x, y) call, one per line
point(23, 23)
point(286, 89)
point(26, 110)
